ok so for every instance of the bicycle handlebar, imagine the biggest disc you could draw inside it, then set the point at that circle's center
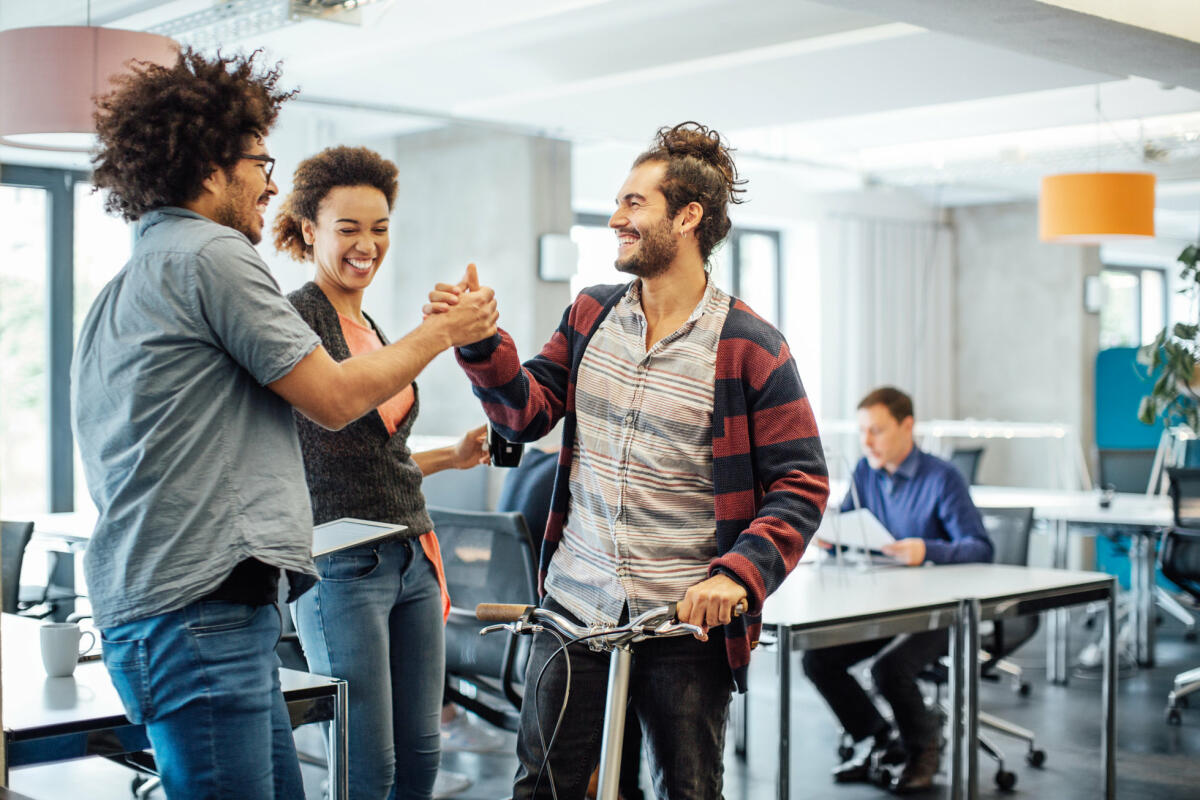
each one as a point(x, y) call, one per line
point(518, 619)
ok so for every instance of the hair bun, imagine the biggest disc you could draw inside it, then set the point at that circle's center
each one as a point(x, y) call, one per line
point(694, 140)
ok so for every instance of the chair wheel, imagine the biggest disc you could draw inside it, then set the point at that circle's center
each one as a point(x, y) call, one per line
point(1189, 636)
point(883, 778)
point(1035, 758)
point(1005, 781)
point(1181, 702)
point(1173, 717)
point(845, 752)
point(1024, 689)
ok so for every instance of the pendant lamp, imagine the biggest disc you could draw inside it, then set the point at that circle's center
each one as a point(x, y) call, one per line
point(49, 77)
point(1093, 207)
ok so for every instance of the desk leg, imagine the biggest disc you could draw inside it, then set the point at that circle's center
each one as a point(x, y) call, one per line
point(1108, 736)
point(1057, 620)
point(956, 704)
point(785, 708)
point(1142, 570)
point(339, 752)
point(970, 667)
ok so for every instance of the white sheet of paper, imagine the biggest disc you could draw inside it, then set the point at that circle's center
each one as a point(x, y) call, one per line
point(349, 532)
point(859, 530)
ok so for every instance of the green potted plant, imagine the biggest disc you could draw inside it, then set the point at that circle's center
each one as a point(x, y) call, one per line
point(1171, 360)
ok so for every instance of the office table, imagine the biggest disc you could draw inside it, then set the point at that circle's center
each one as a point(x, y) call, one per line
point(55, 719)
point(1141, 517)
point(821, 605)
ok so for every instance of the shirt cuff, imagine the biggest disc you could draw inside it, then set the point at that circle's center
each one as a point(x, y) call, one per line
point(479, 351)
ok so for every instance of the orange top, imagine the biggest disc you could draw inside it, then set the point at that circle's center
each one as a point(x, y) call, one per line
point(361, 339)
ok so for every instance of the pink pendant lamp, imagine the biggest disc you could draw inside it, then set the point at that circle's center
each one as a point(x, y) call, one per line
point(49, 77)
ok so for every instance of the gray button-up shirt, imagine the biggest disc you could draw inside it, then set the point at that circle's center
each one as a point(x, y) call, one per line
point(192, 462)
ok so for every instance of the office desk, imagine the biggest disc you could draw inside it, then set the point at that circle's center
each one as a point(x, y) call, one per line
point(55, 719)
point(820, 606)
point(1140, 517)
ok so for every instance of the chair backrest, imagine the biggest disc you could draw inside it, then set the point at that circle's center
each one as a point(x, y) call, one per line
point(1009, 530)
point(1179, 556)
point(1126, 470)
point(14, 537)
point(488, 558)
point(1185, 495)
point(966, 460)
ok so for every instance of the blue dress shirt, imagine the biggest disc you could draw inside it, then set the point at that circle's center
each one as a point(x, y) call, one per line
point(927, 498)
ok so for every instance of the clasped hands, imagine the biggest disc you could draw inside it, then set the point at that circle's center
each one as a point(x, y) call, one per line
point(464, 311)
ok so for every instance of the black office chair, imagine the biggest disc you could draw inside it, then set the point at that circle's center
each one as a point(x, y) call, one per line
point(1125, 470)
point(488, 558)
point(1009, 530)
point(966, 461)
point(1179, 559)
point(14, 537)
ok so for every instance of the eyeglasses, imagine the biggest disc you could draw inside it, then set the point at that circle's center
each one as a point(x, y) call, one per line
point(267, 162)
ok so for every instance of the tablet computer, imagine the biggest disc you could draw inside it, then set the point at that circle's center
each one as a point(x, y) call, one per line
point(340, 534)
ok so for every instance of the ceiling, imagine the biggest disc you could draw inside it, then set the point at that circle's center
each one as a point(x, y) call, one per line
point(967, 101)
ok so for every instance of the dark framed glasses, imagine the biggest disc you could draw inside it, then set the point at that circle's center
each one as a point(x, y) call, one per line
point(267, 162)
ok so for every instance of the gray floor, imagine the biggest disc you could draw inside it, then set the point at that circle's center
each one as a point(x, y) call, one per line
point(1154, 760)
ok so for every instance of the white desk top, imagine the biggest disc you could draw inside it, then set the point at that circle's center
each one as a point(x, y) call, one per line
point(818, 595)
point(86, 700)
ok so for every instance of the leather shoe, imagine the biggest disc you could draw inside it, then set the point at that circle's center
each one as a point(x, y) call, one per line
point(919, 770)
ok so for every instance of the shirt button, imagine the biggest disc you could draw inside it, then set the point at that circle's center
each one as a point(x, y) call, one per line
point(629, 418)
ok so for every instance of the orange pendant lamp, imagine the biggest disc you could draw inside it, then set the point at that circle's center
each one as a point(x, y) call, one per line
point(49, 77)
point(1093, 207)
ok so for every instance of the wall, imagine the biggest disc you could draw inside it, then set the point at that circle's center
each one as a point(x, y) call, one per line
point(1026, 348)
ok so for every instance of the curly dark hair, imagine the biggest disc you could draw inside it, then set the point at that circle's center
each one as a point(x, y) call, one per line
point(163, 128)
point(316, 177)
point(700, 169)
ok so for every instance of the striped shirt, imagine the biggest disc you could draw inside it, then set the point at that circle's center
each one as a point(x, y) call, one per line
point(640, 525)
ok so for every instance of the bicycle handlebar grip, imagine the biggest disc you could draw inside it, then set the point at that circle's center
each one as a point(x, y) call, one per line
point(500, 612)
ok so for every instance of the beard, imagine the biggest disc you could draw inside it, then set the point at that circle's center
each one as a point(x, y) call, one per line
point(240, 212)
point(655, 251)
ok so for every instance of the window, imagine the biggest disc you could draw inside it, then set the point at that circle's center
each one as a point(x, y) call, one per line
point(1133, 305)
point(58, 248)
point(746, 264)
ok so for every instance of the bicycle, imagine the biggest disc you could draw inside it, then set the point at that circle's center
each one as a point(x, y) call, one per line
point(619, 639)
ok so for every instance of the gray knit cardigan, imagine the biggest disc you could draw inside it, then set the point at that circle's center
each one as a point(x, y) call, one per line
point(360, 471)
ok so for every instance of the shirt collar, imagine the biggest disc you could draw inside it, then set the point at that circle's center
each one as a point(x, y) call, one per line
point(152, 218)
point(908, 467)
point(632, 301)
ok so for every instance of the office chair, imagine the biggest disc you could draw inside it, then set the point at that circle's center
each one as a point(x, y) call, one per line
point(966, 461)
point(1179, 559)
point(488, 558)
point(14, 537)
point(1125, 470)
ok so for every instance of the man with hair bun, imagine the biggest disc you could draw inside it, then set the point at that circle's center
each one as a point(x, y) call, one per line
point(690, 471)
point(186, 371)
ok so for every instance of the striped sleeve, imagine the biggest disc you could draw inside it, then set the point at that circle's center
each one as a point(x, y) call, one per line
point(775, 474)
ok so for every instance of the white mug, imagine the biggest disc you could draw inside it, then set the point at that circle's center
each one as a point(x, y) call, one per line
point(60, 647)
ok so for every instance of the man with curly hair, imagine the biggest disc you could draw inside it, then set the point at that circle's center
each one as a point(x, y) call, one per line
point(690, 471)
point(185, 375)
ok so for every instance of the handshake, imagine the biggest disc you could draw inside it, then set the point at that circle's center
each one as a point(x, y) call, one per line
point(464, 312)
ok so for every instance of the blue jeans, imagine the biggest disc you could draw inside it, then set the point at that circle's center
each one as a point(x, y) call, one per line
point(375, 620)
point(204, 680)
point(680, 689)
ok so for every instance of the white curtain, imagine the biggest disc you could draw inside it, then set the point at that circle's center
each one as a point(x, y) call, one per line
point(887, 313)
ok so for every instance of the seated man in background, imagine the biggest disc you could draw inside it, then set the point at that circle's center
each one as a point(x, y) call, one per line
point(923, 501)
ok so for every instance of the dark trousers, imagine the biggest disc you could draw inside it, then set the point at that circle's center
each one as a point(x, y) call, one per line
point(679, 688)
point(895, 671)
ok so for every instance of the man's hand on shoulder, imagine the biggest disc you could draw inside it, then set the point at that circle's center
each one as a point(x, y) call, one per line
point(910, 552)
point(711, 602)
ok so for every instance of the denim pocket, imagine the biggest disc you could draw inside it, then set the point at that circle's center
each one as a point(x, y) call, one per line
point(348, 566)
point(220, 617)
point(128, 666)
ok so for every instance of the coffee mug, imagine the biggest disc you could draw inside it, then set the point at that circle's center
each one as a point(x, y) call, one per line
point(502, 452)
point(60, 647)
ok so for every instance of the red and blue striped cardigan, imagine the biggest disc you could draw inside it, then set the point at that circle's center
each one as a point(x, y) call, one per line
point(769, 478)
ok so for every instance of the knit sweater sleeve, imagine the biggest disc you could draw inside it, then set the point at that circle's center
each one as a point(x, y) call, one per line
point(783, 450)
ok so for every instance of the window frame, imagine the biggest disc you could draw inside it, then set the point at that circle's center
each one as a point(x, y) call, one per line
point(1136, 271)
